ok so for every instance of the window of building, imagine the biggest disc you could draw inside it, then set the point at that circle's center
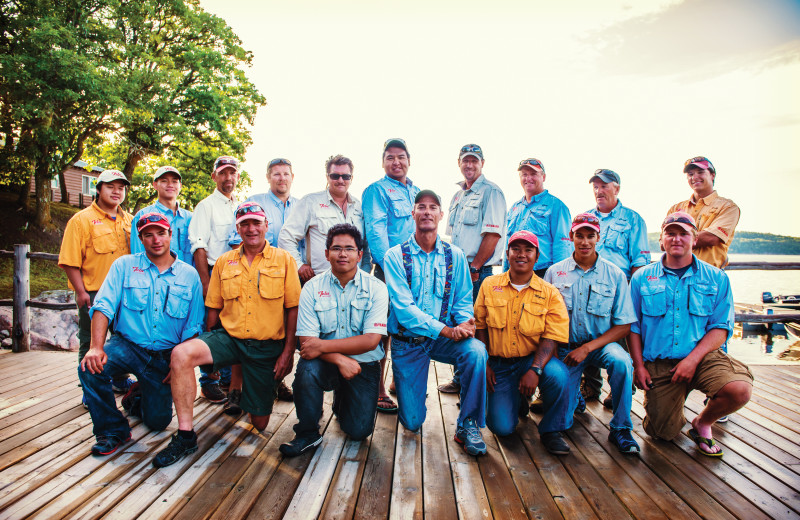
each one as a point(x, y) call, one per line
point(89, 185)
point(54, 184)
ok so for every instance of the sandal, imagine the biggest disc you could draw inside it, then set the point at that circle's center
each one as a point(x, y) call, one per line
point(391, 408)
point(698, 440)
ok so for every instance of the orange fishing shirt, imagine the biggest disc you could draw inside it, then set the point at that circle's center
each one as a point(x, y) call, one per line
point(92, 241)
point(517, 321)
point(718, 216)
point(252, 298)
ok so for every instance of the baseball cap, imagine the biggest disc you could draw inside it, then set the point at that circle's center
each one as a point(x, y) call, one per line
point(250, 210)
point(585, 220)
point(700, 162)
point(152, 219)
point(525, 236)
point(536, 164)
point(113, 175)
point(166, 169)
point(395, 142)
point(605, 176)
point(428, 193)
point(470, 149)
point(224, 161)
point(679, 218)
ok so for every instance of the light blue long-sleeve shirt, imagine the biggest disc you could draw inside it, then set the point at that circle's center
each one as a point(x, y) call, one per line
point(548, 218)
point(674, 314)
point(329, 311)
point(151, 309)
point(418, 308)
point(623, 238)
point(387, 205)
point(179, 221)
point(596, 300)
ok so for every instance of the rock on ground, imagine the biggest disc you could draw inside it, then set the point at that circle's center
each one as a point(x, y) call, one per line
point(50, 330)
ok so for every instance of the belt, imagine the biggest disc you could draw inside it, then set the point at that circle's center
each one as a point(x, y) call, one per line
point(417, 340)
point(159, 354)
point(499, 360)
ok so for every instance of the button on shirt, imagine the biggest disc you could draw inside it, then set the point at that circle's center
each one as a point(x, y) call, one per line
point(211, 224)
point(517, 321)
point(328, 311)
point(314, 215)
point(419, 307)
point(474, 211)
point(548, 218)
point(92, 241)
point(674, 314)
point(387, 206)
point(152, 309)
point(252, 297)
point(596, 299)
point(179, 220)
point(718, 216)
point(623, 238)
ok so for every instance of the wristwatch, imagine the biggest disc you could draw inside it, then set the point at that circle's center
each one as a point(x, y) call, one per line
point(474, 270)
point(536, 370)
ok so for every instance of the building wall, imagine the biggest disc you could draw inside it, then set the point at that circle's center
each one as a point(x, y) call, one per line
point(73, 178)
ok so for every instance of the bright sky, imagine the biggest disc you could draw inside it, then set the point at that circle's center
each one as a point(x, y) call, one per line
point(631, 85)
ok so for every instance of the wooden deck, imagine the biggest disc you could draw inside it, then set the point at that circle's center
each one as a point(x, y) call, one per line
point(46, 470)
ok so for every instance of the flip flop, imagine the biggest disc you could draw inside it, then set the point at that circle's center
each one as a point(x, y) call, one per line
point(698, 440)
point(392, 408)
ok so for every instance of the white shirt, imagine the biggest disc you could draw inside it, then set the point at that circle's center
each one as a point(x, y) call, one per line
point(311, 219)
point(213, 220)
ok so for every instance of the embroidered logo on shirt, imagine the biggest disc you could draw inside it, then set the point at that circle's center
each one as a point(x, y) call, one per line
point(323, 205)
point(644, 252)
point(97, 221)
point(497, 288)
point(376, 324)
point(324, 294)
point(492, 225)
point(391, 190)
point(138, 270)
point(232, 262)
point(565, 239)
point(652, 278)
point(561, 273)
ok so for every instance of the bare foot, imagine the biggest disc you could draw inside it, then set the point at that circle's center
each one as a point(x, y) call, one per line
point(704, 431)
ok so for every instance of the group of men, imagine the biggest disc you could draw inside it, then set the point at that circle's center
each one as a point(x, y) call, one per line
point(275, 275)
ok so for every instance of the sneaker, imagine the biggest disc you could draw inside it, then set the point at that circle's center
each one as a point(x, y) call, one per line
point(554, 443)
point(122, 386)
point(589, 394)
point(608, 402)
point(232, 406)
point(537, 406)
point(213, 394)
point(624, 441)
point(299, 445)
point(581, 407)
point(177, 448)
point(108, 444)
point(285, 393)
point(452, 387)
point(469, 435)
point(132, 401)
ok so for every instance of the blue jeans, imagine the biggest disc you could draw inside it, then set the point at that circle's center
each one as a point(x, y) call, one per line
point(502, 416)
point(619, 366)
point(410, 370)
point(355, 401)
point(125, 357)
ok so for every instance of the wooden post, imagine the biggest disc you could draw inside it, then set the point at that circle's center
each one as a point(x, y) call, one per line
point(80, 200)
point(21, 330)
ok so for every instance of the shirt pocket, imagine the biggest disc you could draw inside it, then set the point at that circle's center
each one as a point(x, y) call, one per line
point(531, 323)
point(221, 232)
point(359, 308)
point(537, 221)
point(472, 211)
point(326, 222)
point(326, 315)
point(178, 301)
point(496, 313)
point(231, 282)
point(270, 283)
point(601, 298)
point(701, 299)
point(401, 206)
point(615, 237)
point(566, 293)
point(135, 292)
point(440, 277)
point(103, 240)
point(654, 300)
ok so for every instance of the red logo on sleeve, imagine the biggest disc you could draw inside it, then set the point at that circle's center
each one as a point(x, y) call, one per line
point(725, 232)
point(376, 324)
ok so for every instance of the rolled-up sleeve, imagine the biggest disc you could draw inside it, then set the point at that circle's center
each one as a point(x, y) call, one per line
point(214, 294)
point(200, 227)
point(636, 301)
point(375, 320)
point(725, 222)
point(196, 318)
point(480, 310)
point(723, 315)
point(639, 252)
point(556, 323)
point(376, 223)
point(307, 319)
point(622, 312)
point(462, 309)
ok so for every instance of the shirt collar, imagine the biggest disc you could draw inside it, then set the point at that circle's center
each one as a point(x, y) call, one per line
point(145, 263)
point(164, 209)
point(707, 200)
point(278, 202)
point(330, 198)
point(534, 284)
point(536, 198)
point(103, 213)
point(218, 194)
point(266, 252)
point(692, 268)
point(415, 248)
point(480, 180)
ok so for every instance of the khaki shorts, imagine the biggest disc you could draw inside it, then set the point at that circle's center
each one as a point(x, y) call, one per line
point(664, 402)
point(257, 358)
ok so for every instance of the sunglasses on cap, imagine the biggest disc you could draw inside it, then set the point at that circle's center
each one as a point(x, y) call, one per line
point(532, 162)
point(150, 219)
point(337, 176)
point(585, 218)
point(678, 219)
point(471, 148)
point(226, 161)
point(273, 162)
point(254, 208)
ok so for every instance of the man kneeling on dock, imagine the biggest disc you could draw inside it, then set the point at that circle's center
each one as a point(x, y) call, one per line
point(340, 324)
point(253, 291)
point(685, 312)
point(155, 302)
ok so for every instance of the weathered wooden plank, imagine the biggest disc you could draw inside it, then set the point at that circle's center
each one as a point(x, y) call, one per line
point(347, 480)
point(376, 486)
point(33, 427)
point(21, 318)
point(48, 401)
point(407, 498)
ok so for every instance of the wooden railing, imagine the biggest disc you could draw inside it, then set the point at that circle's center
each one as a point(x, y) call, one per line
point(21, 302)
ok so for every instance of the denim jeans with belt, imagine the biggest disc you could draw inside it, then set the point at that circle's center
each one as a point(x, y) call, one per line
point(410, 364)
point(149, 367)
point(502, 416)
point(355, 401)
point(619, 366)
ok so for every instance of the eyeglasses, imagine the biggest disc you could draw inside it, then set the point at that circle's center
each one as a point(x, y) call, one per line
point(273, 162)
point(586, 218)
point(337, 249)
point(678, 219)
point(337, 176)
point(532, 162)
point(251, 208)
point(471, 148)
point(149, 219)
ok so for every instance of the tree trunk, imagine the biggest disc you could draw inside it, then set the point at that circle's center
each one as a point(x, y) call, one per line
point(23, 194)
point(42, 218)
point(63, 185)
point(134, 156)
